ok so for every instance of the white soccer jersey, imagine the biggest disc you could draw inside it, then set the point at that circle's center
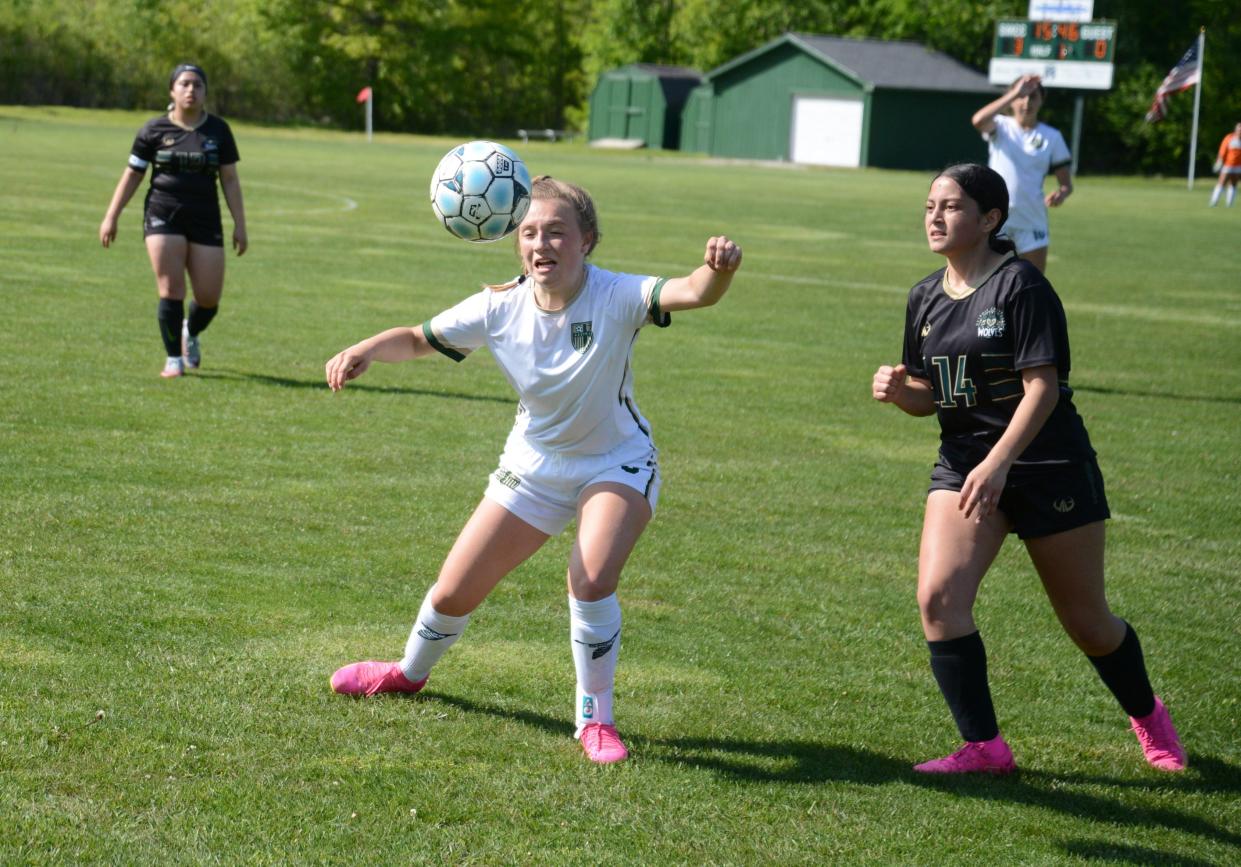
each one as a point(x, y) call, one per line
point(570, 368)
point(1023, 157)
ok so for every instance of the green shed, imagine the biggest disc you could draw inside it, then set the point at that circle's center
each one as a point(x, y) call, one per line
point(642, 102)
point(829, 100)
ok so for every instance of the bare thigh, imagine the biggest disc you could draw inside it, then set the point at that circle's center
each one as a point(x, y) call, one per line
point(1070, 565)
point(206, 267)
point(169, 255)
point(610, 519)
point(955, 554)
point(492, 543)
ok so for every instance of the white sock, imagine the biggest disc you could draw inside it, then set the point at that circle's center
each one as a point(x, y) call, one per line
point(594, 628)
point(1232, 194)
point(1219, 188)
point(432, 635)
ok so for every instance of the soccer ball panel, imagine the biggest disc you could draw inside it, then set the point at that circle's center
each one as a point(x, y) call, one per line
point(447, 201)
point(462, 228)
point(496, 227)
point(500, 195)
point(474, 178)
point(519, 211)
point(475, 209)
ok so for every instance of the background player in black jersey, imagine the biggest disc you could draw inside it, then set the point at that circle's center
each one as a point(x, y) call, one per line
point(986, 348)
point(187, 149)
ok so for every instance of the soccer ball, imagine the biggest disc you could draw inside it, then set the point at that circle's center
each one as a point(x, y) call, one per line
point(480, 191)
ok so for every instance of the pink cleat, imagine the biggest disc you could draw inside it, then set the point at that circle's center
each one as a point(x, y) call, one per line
point(976, 757)
point(1160, 743)
point(602, 744)
point(372, 678)
point(173, 367)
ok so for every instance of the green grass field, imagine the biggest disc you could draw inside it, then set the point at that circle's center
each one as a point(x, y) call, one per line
point(195, 557)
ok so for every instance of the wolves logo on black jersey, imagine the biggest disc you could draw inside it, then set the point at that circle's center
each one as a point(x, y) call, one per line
point(990, 323)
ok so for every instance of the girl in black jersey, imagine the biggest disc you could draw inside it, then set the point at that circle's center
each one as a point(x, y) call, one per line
point(987, 350)
point(188, 149)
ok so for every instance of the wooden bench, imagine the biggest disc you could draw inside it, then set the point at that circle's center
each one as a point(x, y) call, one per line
point(549, 134)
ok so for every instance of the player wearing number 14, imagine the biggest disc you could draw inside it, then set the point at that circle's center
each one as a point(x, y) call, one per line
point(987, 351)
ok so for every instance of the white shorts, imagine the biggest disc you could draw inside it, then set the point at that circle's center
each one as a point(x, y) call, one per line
point(543, 488)
point(1027, 239)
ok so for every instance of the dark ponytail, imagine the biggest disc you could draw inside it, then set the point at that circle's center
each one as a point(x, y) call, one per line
point(988, 190)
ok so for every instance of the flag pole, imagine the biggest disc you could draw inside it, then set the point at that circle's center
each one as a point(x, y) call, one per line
point(1193, 136)
point(370, 99)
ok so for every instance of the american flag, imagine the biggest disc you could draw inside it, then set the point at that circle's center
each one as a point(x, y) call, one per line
point(1183, 76)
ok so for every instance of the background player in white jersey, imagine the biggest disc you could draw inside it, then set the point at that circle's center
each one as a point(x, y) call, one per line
point(1024, 152)
point(563, 334)
point(987, 351)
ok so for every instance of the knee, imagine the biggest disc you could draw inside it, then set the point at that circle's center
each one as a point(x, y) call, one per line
point(939, 607)
point(1095, 636)
point(170, 285)
point(935, 605)
point(451, 604)
point(592, 586)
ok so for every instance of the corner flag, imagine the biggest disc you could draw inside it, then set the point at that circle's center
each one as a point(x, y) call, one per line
point(365, 95)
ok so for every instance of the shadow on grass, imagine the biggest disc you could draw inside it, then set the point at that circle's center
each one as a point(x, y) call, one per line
point(1089, 850)
point(320, 385)
point(1166, 395)
point(809, 762)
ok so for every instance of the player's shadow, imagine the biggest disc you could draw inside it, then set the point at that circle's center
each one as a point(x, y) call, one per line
point(320, 385)
point(1166, 395)
point(810, 762)
point(1094, 850)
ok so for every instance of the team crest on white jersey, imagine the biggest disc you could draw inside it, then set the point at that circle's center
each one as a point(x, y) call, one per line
point(991, 323)
point(581, 334)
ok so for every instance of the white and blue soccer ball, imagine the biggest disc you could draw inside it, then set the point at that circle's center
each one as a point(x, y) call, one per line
point(480, 191)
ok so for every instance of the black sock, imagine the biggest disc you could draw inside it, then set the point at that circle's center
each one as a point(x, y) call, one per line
point(960, 669)
point(171, 312)
point(1124, 672)
point(200, 318)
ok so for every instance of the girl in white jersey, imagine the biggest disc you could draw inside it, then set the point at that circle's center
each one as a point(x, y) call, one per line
point(1024, 152)
point(563, 333)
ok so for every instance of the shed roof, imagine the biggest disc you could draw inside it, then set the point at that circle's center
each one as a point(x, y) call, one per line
point(659, 71)
point(879, 63)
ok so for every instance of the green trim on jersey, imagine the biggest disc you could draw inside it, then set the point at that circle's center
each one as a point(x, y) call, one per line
point(435, 343)
point(659, 317)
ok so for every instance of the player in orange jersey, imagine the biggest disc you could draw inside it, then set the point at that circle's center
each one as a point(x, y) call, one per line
point(1228, 164)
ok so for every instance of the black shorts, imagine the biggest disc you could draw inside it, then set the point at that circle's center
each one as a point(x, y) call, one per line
point(199, 222)
point(1042, 502)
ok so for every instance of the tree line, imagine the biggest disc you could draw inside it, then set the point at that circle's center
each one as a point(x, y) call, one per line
point(490, 67)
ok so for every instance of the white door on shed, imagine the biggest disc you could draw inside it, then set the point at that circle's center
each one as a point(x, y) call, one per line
point(826, 132)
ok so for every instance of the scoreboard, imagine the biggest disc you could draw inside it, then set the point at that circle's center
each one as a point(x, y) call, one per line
point(1076, 54)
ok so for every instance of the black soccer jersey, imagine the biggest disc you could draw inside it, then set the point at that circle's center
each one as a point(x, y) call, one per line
point(184, 162)
point(972, 350)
